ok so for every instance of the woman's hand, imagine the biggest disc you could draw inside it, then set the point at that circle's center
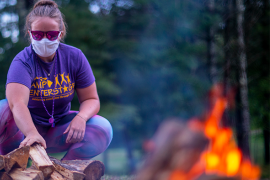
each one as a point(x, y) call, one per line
point(31, 138)
point(76, 130)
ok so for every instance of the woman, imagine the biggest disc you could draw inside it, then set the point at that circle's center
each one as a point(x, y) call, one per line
point(41, 82)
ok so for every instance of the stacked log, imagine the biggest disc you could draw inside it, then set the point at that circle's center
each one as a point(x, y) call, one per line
point(13, 166)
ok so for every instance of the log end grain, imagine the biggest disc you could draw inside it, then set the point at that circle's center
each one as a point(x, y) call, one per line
point(94, 171)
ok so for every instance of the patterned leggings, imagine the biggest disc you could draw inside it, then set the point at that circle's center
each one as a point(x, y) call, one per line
point(98, 135)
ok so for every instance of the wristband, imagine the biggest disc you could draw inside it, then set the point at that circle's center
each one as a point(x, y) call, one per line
point(80, 116)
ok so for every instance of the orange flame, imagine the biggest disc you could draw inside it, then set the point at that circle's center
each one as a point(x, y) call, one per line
point(222, 156)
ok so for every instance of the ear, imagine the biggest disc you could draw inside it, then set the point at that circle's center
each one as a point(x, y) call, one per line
point(29, 33)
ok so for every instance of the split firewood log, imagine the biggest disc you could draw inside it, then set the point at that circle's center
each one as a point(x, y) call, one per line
point(27, 174)
point(16, 158)
point(5, 176)
point(6, 163)
point(92, 169)
point(41, 161)
point(67, 171)
point(56, 176)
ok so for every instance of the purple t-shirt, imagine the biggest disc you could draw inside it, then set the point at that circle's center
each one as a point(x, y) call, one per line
point(70, 71)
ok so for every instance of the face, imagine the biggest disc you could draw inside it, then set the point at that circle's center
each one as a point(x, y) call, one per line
point(45, 24)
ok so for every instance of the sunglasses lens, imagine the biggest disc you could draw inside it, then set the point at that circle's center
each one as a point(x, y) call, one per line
point(37, 35)
point(52, 35)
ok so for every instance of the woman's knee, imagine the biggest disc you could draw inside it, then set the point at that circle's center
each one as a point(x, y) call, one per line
point(5, 114)
point(104, 124)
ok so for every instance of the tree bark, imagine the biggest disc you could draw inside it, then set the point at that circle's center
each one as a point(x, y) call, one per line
point(211, 45)
point(227, 18)
point(131, 164)
point(266, 47)
point(244, 120)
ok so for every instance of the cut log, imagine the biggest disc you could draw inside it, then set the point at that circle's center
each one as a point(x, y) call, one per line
point(67, 171)
point(92, 169)
point(18, 157)
point(41, 160)
point(56, 176)
point(5, 176)
point(9, 163)
point(27, 174)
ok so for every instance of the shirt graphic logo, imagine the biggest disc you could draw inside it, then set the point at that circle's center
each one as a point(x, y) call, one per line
point(63, 88)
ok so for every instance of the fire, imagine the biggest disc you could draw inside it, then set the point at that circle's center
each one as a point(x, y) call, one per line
point(222, 157)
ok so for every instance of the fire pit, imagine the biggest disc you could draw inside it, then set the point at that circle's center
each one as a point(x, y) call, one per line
point(199, 150)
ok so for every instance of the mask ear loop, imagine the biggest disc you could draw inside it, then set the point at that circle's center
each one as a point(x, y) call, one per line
point(59, 34)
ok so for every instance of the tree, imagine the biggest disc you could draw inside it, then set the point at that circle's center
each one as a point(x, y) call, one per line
point(243, 118)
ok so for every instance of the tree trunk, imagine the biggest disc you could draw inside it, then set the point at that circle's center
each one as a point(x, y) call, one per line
point(227, 17)
point(266, 48)
point(243, 87)
point(130, 159)
point(211, 45)
point(22, 8)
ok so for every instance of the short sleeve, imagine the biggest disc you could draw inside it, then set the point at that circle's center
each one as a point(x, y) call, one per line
point(19, 72)
point(84, 74)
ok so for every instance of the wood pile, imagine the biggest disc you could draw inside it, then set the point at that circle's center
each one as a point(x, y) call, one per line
point(13, 166)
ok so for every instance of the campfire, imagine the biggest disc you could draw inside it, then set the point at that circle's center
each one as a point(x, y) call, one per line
point(13, 166)
point(197, 150)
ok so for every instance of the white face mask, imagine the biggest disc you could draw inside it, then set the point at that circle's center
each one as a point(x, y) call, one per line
point(45, 47)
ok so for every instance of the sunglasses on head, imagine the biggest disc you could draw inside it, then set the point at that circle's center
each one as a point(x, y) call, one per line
point(51, 35)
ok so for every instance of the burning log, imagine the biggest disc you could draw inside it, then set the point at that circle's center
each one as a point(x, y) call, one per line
point(67, 171)
point(27, 174)
point(175, 147)
point(41, 161)
point(93, 170)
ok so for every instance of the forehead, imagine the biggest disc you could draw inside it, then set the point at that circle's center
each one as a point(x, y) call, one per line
point(44, 24)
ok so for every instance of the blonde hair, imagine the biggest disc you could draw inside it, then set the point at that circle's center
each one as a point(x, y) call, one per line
point(46, 8)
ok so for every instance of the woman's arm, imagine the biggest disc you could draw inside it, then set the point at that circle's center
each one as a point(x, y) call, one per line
point(18, 97)
point(89, 106)
point(89, 101)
